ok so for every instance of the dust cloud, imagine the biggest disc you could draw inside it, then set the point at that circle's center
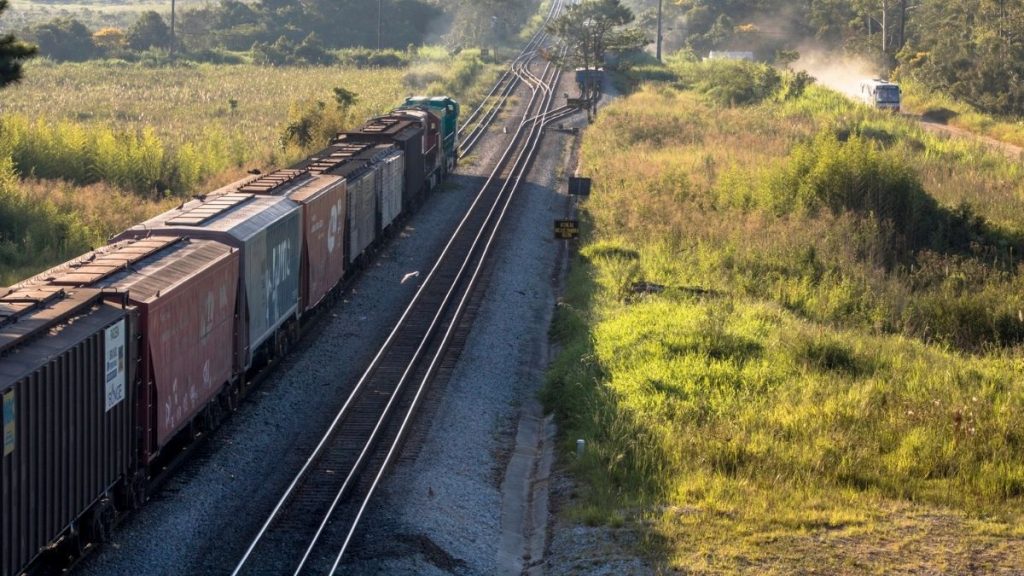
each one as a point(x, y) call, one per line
point(841, 73)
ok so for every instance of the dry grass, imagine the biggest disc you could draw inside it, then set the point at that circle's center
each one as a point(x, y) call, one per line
point(186, 103)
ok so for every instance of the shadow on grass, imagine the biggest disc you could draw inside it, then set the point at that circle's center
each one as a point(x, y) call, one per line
point(939, 115)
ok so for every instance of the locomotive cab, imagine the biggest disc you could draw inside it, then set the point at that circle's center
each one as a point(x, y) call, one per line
point(448, 110)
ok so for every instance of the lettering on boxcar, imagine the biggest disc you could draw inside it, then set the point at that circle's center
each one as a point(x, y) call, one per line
point(9, 428)
point(115, 359)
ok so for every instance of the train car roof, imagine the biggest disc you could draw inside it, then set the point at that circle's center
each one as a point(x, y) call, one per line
point(148, 279)
point(101, 263)
point(65, 316)
point(239, 215)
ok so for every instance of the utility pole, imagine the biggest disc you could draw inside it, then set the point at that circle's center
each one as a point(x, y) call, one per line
point(173, 37)
point(380, 21)
point(903, 25)
point(659, 29)
point(885, 27)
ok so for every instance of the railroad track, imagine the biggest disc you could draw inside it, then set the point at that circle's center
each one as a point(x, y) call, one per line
point(480, 119)
point(312, 526)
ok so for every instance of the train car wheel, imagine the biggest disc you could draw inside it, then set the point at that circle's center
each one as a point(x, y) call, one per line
point(136, 489)
point(101, 522)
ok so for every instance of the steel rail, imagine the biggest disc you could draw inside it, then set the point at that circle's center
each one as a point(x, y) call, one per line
point(520, 167)
point(289, 492)
point(536, 40)
point(413, 363)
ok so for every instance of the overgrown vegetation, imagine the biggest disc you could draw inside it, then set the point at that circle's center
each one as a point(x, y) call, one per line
point(46, 222)
point(13, 54)
point(827, 364)
point(972, 50)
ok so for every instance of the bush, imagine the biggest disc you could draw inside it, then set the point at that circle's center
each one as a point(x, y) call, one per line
point(64, 39)
point(367, 58)
point(33, 231)
point(730, 83)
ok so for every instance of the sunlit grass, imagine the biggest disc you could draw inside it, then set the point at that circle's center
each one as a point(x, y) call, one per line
point(827, 380)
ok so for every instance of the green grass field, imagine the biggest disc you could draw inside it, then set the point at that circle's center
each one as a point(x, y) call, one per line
point(245, 105)
point(826, 378)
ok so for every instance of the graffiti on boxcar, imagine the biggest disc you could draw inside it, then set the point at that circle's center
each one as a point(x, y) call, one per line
point(206, 326)
point(334, 229)
point(278, 275)
point(9, 422)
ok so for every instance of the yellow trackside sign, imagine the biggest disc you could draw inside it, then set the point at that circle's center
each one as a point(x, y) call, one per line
point(567, 229)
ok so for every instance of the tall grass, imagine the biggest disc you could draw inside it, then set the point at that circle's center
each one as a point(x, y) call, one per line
point(831, 361)
point(137, 161)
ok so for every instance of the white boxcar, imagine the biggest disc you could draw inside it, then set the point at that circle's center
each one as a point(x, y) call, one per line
point(392, 180)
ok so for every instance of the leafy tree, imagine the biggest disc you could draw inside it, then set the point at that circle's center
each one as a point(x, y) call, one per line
point(110, 39)
point(196, 29)
point(277, 54)
point(972, 50)
point(13, 54)
point(486, 22)
point(64, 39)
point(149, 31)
point(345, 98)
point(593, 28)
point(311, 51)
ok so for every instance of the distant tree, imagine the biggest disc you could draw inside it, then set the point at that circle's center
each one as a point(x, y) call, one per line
point(344, 98)
point(311, 51)
point(593, 28)
point(64, 39)
point(233, 13)
point(109, 39)
point(149, 31)
point(13, 54)
point(196, 28)
point(486, 22)
point(279, 53)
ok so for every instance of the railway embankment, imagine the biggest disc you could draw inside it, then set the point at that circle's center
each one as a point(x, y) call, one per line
point(791, 339)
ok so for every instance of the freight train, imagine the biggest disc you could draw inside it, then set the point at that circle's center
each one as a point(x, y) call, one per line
point(109, 361)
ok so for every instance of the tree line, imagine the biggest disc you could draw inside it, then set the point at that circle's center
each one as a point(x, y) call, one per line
point(283, 32)
point(972, 50)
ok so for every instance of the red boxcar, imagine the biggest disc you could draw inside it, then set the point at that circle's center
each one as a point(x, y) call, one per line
point(324, 212)
point(67, 379)
point(186, 293)
point(268, 231)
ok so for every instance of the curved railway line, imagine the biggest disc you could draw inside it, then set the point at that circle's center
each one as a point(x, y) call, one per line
point(311, 527)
